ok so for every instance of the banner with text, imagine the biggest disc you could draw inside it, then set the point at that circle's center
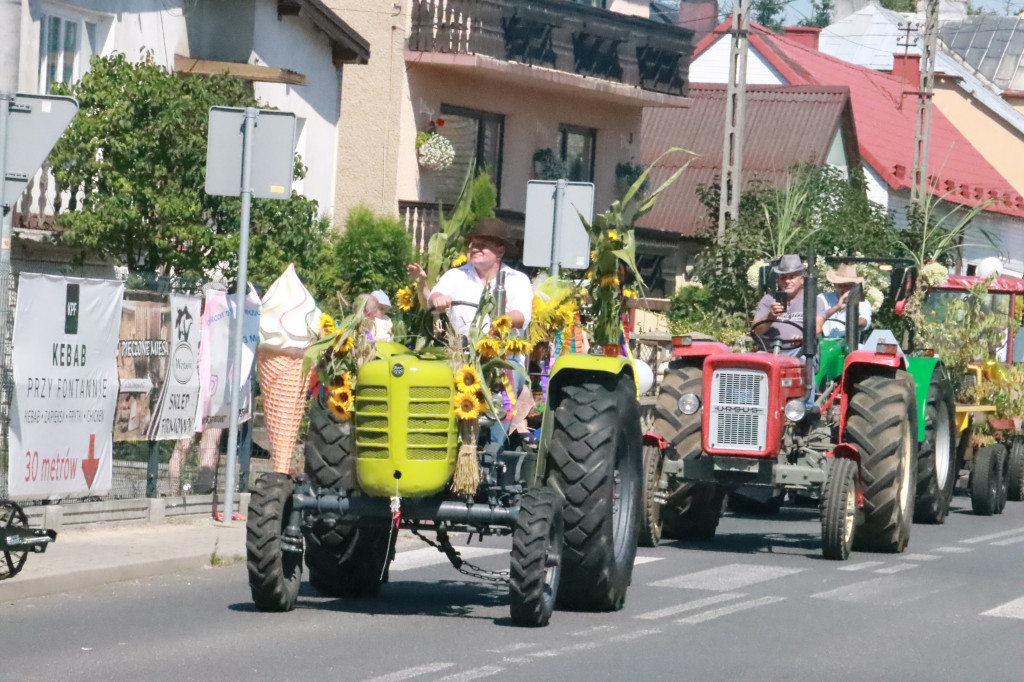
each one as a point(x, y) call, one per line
point(218, 329)
point(142, 351)
point(65, 381)
point(178, 404)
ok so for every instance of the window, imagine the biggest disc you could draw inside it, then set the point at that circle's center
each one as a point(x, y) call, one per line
point(65, 46)
point(576, 147)
point(477, 137)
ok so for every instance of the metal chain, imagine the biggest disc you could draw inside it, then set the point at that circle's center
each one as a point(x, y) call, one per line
point(463, 566)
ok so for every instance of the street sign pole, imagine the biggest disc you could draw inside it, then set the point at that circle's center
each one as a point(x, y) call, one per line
point(559, 200)
point(235, 358)
point(6, 228)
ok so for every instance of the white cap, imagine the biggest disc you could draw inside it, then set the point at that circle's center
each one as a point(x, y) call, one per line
point(382, 298)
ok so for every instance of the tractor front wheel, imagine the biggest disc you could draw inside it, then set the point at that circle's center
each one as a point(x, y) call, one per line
point(1015, 471)
point(651, 525)
point(537, 542)
point(986, 480)
point(595, 464)
point(839, 509)
point(274, 574)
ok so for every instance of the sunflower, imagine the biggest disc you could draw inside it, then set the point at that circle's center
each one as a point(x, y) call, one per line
point(488, 348)
point(629, 293)
point(501, 325)
point(466, 405)
point(467, 380)
point(404, 297)
point(613, 235)
point(459, 260)
point(344, 346)
point(344, 380)
point(609, 281)
point(340, 403)
point(518, 346)
point(327, 324)
point(593, 254)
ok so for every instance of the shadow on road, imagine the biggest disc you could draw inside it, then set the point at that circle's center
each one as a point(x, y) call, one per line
point(757, 543)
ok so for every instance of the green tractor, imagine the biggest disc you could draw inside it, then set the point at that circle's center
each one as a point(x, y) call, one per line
point(571, 502)
point(869, 434)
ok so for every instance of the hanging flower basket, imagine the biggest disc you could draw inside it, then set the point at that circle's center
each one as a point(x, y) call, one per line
point(435, 151)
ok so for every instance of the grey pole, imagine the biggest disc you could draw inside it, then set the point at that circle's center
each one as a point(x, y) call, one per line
point(559, 200)
point(235, 357)
point(6, 228)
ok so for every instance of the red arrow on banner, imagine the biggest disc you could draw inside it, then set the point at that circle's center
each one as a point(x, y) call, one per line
point(90, 465)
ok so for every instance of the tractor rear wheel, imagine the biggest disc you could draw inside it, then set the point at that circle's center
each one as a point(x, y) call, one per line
point(650, 523)
point(537, 542)
point(274, 574)
point(986, 480)
point(695, 511)
point(936, 462)
point(595, 464)
point(1015, 471)
point(881, 424)
point(839, 509)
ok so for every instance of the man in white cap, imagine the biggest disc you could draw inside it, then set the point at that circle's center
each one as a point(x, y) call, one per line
point(843, 278)
point(786, 320)
point(379, 315)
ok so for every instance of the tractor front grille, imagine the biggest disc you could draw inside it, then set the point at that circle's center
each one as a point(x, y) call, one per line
point(738, 410)
point(430, 421)
point(372, 422)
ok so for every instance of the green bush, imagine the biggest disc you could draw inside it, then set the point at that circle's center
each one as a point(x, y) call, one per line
point(372, 253)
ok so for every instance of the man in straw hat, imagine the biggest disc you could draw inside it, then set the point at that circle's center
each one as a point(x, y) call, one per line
point(790, 276)
point(843, 278)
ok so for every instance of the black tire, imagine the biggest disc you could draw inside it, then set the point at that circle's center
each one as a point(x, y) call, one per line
point(936, 462)
point(1003, 493)
point(12, 516)
point(330, 449)
point(698, 520)
point(693, 513)
point(1015, 471)
point(537, 543)
point(595, 464)
point(881, 424)
point(274, 575)
point(650, 523)
point(986, 475)
point(839, 509)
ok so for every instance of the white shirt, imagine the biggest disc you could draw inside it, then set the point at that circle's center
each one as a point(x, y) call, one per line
point(463, 284)
point(835, 326)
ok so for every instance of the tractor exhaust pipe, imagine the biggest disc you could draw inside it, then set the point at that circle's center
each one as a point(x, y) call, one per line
point(853, 300)
point(810, 349)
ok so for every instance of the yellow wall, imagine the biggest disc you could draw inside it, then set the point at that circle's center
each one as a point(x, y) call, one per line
point(1000, 144)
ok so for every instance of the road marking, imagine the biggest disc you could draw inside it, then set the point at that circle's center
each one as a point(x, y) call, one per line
point(993, 536)
point(898, 568)
point(727, 578)
point(593, 630)
point(919, 557)
point(1008, 541)
point(884, 590)
point(955, 550)
point(690, 606)
point(518, 646)
point(861, 566)
point(732, 608)
point(1011, 609)
point(410, 673)
point(428, 556)
point(551, 653)
point(474, 674)
point(646, 560)
point(630, 636)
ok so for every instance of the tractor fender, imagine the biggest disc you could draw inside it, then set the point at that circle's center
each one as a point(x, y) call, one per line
point(572, 367)
point(694, 354)
point(922, 369)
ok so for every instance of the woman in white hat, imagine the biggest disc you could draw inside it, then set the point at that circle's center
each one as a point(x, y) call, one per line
point(843, 278)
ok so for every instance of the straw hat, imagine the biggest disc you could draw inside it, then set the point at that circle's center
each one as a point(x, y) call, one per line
point(845, 273)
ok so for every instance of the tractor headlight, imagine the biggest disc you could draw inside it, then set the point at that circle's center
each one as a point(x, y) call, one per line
point(689, 403)
point(795, 410)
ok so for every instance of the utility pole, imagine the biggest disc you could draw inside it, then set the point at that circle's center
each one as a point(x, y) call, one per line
point(919, 188)
point(735, 100)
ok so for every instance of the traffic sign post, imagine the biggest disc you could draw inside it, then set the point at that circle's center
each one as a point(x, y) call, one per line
point(554, 234)
point(250, 153)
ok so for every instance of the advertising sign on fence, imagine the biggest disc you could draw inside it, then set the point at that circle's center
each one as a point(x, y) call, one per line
point(65, 381)
point(178, 404)
point(218, 324)
point(142, 351)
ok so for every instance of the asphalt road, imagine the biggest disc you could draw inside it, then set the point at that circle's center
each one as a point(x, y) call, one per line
point(758, 603)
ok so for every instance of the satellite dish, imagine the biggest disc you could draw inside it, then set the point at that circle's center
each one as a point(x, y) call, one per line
point(988, 267)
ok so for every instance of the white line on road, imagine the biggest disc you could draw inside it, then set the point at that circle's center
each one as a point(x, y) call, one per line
point(888, 590)
point(474, 674)
point(955, 550)
point(919, 557)
point(630, 636)
point(593, 630)
point(410, 673)
point(1011, 609)
point(861, 566)
point(727, 578)
point(732, 608)
point(518, 646)
point(690, 606)
point(1008, 541)
point(428, 556)
point(646, 560)
point(898, 568)
point(993, 536)
point(551, 653)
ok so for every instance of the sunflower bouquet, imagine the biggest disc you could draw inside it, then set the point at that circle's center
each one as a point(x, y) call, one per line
point(336, 357)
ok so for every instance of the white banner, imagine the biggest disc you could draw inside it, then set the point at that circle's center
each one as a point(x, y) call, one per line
point(179, 397)
point(218, 328)
point(65, 380)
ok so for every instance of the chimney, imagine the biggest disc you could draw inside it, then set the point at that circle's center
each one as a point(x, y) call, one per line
point(804, 35)
point(908, 69)
point(700, 16)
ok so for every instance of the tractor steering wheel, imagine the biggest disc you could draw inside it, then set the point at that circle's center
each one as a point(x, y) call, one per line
point(775, 344)
point(442, 320)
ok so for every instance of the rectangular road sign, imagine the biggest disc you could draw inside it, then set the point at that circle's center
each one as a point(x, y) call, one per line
point(573, 241)
point(34, 124)
point(273, 153)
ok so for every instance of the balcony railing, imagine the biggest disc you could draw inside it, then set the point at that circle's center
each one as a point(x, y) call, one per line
point(42, 201)
point(561, 35)
point(422, 221)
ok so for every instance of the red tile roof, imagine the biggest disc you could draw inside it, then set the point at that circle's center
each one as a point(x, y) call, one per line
point(886, 130)
point(786, 125)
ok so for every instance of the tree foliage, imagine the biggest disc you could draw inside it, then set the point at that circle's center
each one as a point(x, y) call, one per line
point(821, 14)
point(770, 13)
point(138, 149)
point(372, 253)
